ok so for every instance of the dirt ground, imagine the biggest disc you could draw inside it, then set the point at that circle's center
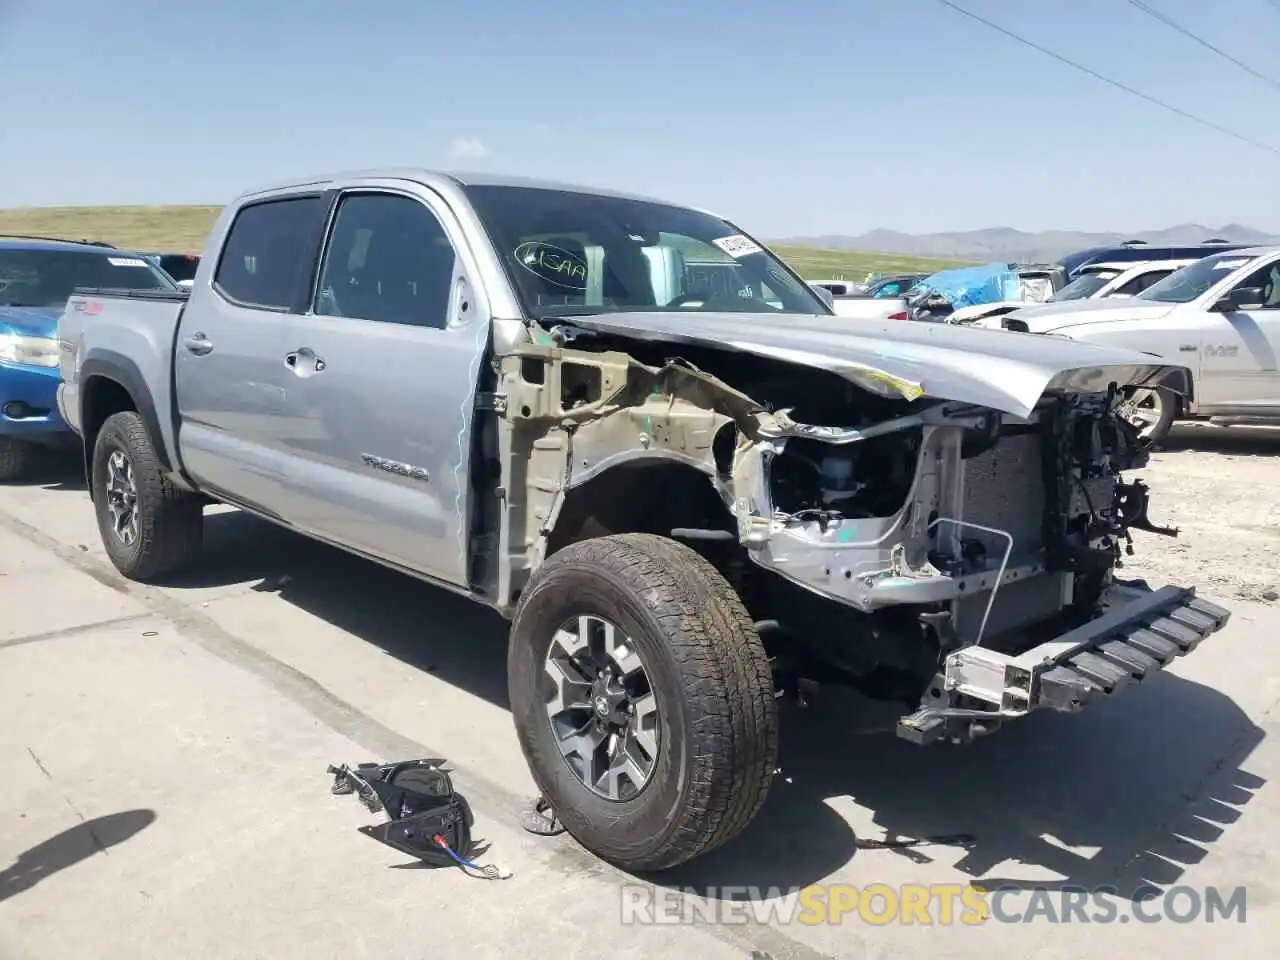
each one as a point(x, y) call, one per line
point(1221, 487)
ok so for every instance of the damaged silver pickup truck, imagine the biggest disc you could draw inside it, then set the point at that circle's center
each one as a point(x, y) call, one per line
point(686, 493)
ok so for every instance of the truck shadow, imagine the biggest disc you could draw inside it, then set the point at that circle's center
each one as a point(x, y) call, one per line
point(54, 470)
point(1149, 781)
point(412, 621)
point(1140, 787)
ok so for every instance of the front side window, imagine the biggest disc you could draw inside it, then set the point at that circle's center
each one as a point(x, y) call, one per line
point(388, 259)
point(47, 278)
point(1194, 281)
point(1266, 279)
point(267, 250)
point(575, 253)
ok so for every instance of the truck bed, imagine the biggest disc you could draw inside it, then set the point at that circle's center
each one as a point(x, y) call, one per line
point(135, 328)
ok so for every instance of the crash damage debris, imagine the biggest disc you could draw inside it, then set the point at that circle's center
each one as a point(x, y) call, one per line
point(426, 817)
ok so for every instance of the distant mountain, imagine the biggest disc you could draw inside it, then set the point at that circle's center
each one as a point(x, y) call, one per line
point(1006, 243)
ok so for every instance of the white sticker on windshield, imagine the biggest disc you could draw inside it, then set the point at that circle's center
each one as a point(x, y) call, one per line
point(737, 246)
point(126, 262)
point(1230, 264)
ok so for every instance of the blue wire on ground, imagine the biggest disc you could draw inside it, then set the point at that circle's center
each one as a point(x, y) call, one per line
point(488, 871)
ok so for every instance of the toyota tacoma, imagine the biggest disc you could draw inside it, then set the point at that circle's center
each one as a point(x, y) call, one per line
point(682, 496)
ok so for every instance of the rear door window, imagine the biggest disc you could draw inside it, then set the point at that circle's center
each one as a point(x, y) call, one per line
point(269, 251)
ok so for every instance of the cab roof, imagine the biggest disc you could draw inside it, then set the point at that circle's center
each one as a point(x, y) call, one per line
point(445, 179)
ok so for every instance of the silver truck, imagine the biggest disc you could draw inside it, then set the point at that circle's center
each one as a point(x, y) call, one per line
point(684, 500)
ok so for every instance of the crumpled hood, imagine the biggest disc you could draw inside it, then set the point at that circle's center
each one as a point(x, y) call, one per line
point(1044, 317)
point(991, 368)
point(31, 321)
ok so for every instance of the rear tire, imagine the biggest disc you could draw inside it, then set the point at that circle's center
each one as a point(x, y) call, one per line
point(149, 527)
point(15, 457)
point(680, 625)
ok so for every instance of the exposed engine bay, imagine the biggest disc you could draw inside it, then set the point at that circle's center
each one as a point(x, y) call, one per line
point(944, 525)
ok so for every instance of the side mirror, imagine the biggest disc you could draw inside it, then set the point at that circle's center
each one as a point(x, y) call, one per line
point(1241, 298)
point(824, 295)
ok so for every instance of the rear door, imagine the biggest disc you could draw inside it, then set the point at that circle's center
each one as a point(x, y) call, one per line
point(383, 370)
point(230, 377)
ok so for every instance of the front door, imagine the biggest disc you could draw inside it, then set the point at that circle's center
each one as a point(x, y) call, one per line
point(383, 371)
point(1239, 350)
point(231, 384)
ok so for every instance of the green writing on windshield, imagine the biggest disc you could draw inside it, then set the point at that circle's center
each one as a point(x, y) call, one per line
point(553, 264)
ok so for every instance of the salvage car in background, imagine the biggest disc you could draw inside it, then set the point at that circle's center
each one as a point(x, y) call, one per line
point(892, 286)
point(936, 298)
point(1135, 251)
point(883, 299)
point(1219, 316)
point(36, 278)
point(678, 496)
point(1094, 281)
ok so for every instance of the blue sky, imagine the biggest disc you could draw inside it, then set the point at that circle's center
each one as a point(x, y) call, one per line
point(813, 116)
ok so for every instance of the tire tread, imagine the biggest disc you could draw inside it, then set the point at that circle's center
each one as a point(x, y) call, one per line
point(170, 520)
point(15, 457)
point(718, 653)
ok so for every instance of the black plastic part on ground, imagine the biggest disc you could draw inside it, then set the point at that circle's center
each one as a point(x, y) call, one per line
point(426, 818)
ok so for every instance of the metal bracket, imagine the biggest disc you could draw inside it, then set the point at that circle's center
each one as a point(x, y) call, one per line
point(496, 402)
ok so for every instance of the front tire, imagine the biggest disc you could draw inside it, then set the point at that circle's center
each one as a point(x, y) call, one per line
point(149, 527)
point(15, 457)
point(635, 652)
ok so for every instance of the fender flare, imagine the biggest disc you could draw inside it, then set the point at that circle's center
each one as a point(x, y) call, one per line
point(118, 368)
point(1188, 399)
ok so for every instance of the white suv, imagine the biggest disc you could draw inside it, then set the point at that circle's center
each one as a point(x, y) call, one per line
point(1095, 281)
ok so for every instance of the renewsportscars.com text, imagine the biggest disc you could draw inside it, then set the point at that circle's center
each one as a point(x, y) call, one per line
point(938, 904)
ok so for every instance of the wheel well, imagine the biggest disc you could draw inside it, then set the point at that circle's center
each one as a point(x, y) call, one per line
point(100, 398)
point(648, 496)
point(1182, 402)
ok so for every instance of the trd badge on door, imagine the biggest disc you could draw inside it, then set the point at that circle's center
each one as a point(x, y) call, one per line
point(394, 466)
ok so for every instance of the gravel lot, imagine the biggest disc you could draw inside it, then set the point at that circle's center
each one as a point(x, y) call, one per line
point(1221, 487)
point(165, 752)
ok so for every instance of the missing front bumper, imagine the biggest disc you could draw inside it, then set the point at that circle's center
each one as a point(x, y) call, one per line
point(1140, 632)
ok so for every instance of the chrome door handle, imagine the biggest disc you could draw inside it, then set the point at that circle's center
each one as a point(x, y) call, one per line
point(304, 362)
point(199, 344)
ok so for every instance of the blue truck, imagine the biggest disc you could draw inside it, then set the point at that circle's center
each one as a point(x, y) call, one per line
point(37, 276)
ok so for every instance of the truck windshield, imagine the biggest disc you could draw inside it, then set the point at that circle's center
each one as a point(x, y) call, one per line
point(574, 253)
point(1195, 280)
point(46, 278)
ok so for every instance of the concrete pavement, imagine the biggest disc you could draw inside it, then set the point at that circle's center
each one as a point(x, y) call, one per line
point(166, 792)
